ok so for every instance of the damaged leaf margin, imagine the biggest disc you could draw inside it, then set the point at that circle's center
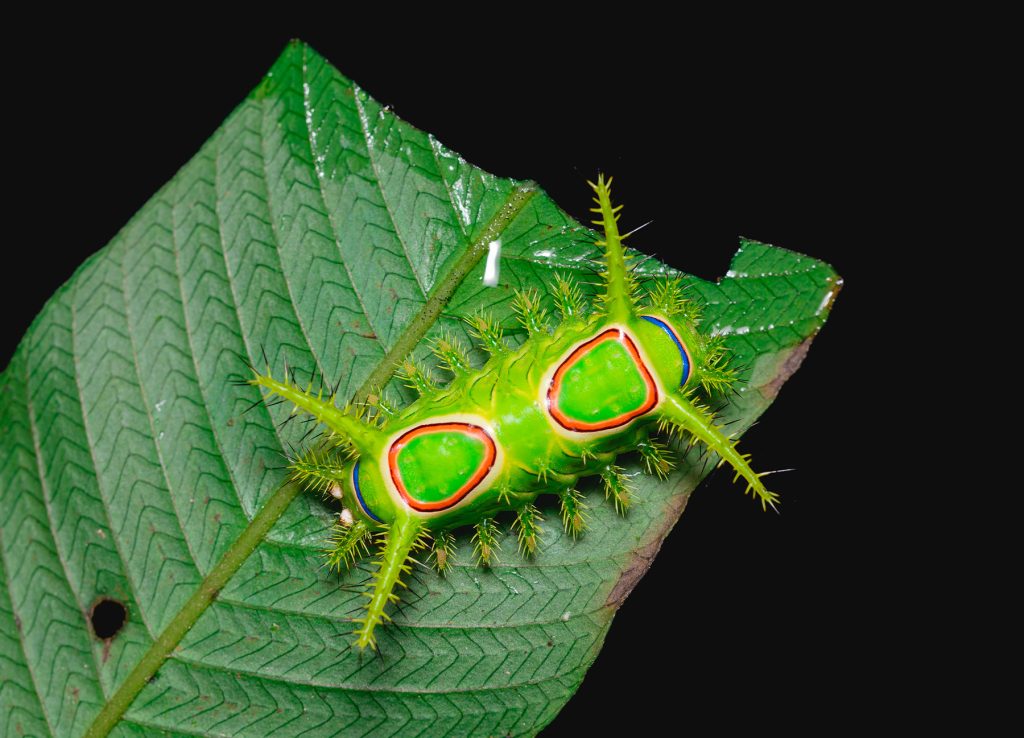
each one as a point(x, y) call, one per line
point(317, 227)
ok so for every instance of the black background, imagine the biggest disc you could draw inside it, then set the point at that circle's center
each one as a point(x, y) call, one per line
point(745, 619)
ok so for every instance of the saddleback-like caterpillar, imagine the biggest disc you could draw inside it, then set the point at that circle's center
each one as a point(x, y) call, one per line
point(529, 422)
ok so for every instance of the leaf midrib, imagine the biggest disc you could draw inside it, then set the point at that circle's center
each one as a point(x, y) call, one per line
point(263, 521)
point(470, 213)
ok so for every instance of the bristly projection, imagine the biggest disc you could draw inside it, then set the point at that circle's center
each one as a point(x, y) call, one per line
point(530, 422)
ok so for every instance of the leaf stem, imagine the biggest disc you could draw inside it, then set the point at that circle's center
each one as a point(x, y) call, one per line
point(264, 520)
point(444, 290)
point(232, 560)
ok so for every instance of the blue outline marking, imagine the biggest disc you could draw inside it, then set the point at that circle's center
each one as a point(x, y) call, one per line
point(679, 344)
point(359, 494)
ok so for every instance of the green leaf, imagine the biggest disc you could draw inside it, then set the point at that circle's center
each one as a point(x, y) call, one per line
point(317, 227)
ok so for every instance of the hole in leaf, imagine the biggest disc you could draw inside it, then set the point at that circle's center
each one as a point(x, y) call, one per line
point(108, 617)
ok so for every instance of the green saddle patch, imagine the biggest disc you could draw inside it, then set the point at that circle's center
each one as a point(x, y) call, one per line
point(602, 384)
point(435, 466)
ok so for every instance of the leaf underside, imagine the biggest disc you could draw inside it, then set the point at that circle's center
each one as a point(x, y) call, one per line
point(313, 226)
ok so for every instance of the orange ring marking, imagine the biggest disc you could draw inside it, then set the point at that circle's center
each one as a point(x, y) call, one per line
point(467, 428)
point(556, 385)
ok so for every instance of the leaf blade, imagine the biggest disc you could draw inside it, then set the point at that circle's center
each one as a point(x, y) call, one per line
point(272, 237)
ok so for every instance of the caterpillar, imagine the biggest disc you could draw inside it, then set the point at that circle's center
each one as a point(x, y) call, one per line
point(531, 421)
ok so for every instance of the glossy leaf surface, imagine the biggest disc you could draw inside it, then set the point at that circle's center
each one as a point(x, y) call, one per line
point(314, 227)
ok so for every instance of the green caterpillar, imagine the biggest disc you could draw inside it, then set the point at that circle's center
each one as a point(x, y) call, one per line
point(531, 421)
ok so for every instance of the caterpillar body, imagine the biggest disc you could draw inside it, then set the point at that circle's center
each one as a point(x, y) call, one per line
point(532, 421)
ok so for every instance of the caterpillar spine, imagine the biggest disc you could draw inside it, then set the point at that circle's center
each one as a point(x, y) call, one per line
point(532, 421)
